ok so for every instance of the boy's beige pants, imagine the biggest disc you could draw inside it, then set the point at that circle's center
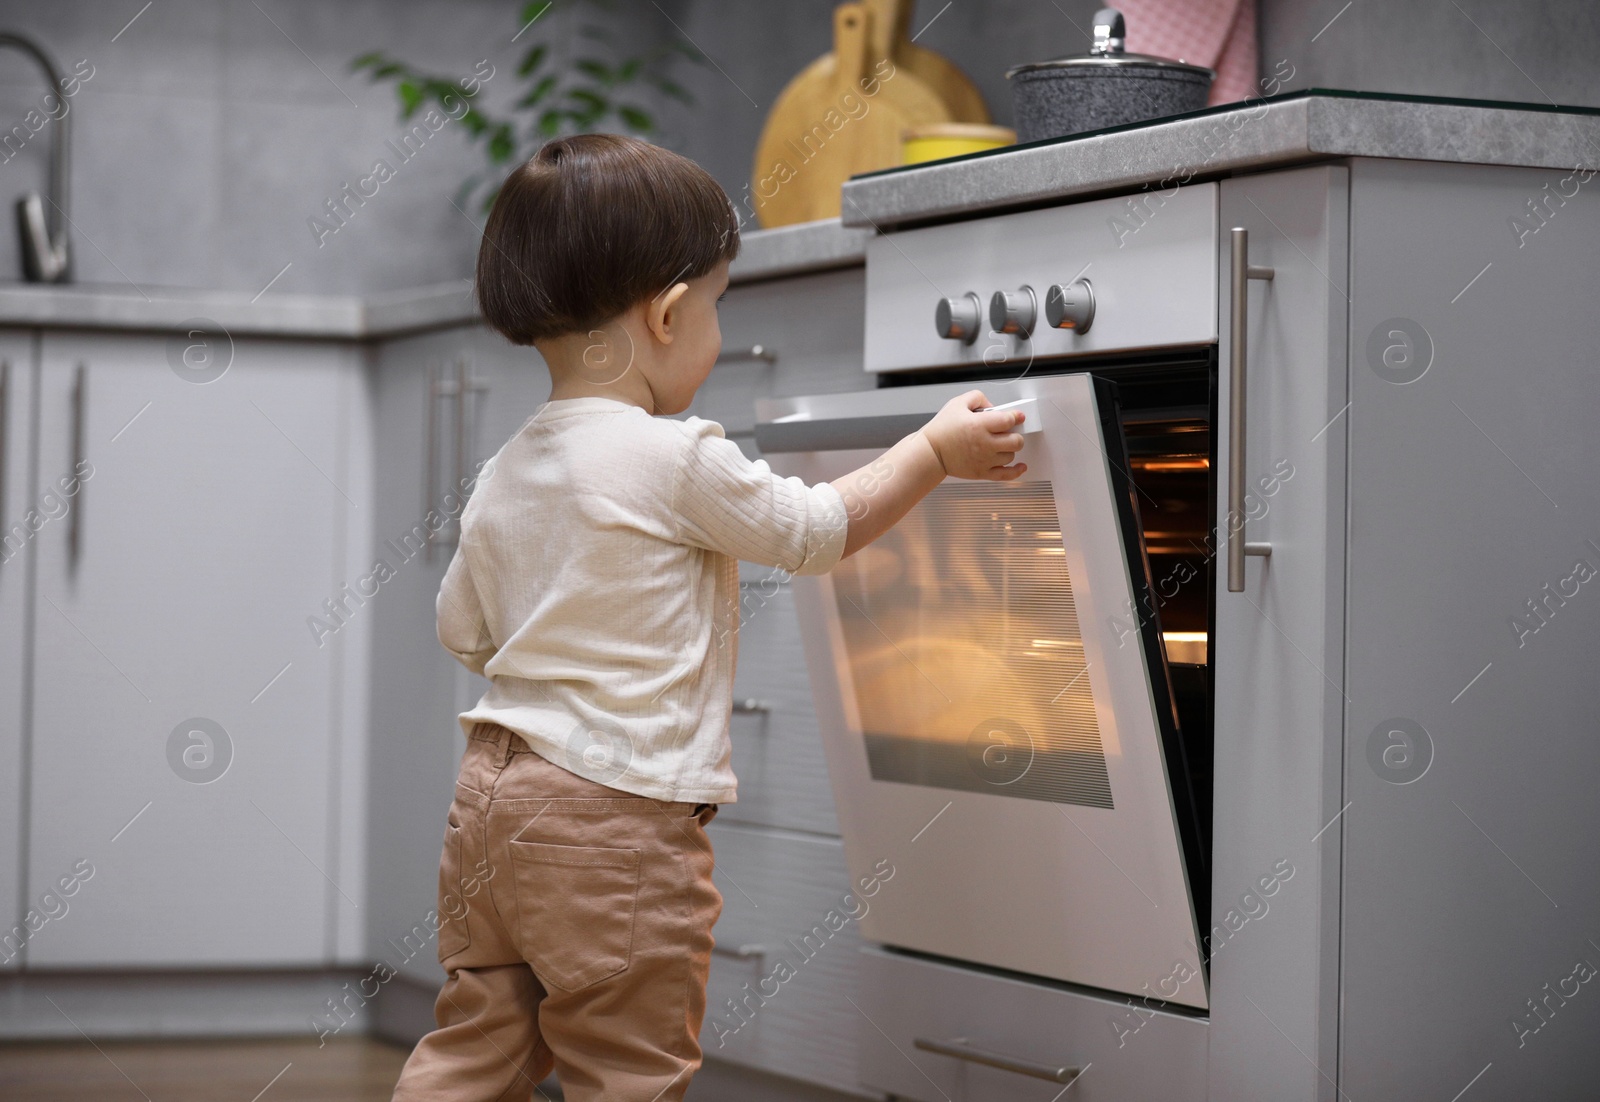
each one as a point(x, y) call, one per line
point(576, 934)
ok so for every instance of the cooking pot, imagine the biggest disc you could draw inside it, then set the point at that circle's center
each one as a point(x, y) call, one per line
point(1105, 87)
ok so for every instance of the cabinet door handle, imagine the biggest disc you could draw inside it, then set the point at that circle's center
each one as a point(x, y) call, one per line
point(959, 1049)
point(751, 707)
point(465, 386)
point(756, 353)
point(80, 402)
point(740, 952)
point(459, 470)
point(430, 458)
point(1241, 272)
point(449, 380)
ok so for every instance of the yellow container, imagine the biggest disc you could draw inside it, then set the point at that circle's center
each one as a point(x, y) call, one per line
point(952, 139)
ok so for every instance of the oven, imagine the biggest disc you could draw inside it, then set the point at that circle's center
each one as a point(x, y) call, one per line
point(1013, 682)
point(1014, 685)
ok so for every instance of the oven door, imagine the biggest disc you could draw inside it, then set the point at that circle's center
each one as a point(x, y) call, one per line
point(994, 700)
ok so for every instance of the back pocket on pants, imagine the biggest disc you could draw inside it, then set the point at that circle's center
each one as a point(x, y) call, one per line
point(575, 909)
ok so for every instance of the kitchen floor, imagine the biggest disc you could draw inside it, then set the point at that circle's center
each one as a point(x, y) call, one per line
point(200, 1071)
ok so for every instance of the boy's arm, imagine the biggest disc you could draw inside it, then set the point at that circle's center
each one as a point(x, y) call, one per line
point(724, 502)
point(960, 441)
point(463, 631)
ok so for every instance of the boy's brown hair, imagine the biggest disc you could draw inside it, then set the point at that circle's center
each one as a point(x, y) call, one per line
point(593, 225)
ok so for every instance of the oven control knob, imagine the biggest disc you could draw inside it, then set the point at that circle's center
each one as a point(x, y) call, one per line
point(1070, 306)
point(1014, 311)
point(957, 319)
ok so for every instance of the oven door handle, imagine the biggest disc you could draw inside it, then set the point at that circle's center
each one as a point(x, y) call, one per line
point(1242, 271)
point(837, 434)
point(802, 433)
point(959, 1049)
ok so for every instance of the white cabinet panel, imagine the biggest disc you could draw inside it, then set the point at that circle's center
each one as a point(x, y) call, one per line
point(784, 969)
point(20, 513)
point(777, 749)
point(1470, 754)
point(1279, 646)
point(417, 688)
point(811, 327)
point(210, 534)
point(414, 747)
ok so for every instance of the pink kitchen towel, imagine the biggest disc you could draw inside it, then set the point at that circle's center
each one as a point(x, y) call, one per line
point(1219, 34)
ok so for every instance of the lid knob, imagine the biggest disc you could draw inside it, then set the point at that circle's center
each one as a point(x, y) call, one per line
point(1109, 32)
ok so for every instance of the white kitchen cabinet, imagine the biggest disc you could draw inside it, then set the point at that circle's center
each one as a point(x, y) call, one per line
point(19, 514)
point(783, 970)
point(414, 749)
point(780, 865)
point(1471, 909)
point(777, 752)
point(777, 749)
point(809, 330)
point(1273, 993)
point(179, 595)
point(418, 689)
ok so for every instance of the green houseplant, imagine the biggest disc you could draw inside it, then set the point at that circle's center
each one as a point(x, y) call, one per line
point(594, 85)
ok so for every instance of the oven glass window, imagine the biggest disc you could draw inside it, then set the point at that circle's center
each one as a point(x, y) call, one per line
point(964, 649)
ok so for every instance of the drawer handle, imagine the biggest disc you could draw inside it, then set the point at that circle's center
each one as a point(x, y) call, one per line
point(751, 707)
point(740, 952)
point(961, 1050)
point(756, 353)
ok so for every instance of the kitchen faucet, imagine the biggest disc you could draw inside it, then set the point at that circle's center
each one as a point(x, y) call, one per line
point(44, 237)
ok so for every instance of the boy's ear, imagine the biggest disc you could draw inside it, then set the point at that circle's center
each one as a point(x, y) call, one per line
point(661, 313)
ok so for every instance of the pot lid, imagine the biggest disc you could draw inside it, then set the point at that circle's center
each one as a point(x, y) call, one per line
point(1107, 52)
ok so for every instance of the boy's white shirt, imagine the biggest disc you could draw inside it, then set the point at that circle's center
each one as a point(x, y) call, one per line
point(597, 586)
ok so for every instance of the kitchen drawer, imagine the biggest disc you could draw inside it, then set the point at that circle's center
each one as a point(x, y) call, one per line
point(1126, 1052)
point(777, 750)
point(812, 326)
point(783, 971)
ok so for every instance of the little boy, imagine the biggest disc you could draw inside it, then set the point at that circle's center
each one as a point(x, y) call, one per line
point(596, 585)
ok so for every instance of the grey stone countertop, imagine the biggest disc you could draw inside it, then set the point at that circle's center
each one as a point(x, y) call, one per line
point(765, 254)
point(1315, 124)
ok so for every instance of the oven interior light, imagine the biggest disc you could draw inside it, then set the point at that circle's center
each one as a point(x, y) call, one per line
point(1200, 463)
point(1187, 647)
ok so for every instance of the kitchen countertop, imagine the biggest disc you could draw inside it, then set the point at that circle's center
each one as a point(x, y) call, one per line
point(1312, 125)
point(792, 250)
point(765, 254)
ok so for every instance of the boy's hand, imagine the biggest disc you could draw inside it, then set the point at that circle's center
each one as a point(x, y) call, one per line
point(971, 444)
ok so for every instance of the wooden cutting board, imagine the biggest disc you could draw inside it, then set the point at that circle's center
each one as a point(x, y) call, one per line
point(891, 38)
point(843, 114)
